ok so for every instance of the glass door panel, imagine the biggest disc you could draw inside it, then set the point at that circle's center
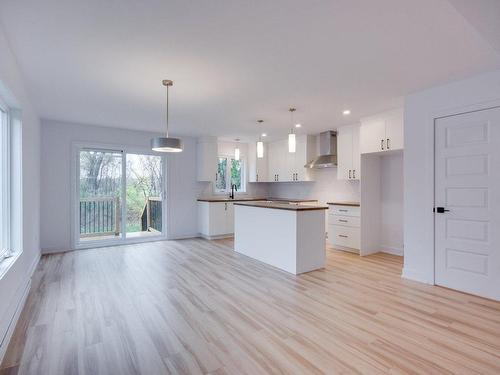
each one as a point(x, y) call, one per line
point(143, 192)
point(100, 190)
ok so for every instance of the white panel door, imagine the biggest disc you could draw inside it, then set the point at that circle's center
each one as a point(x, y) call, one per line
point(467, 183)
point(372, 136)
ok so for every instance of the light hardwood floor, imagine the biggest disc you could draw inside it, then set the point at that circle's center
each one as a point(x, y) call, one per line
point(195, 306)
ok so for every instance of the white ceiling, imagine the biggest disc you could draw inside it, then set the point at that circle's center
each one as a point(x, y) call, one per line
point(234, 61)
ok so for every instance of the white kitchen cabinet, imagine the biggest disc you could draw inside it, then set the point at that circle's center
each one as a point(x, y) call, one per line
point(257, 167)
point(344, 227)
point(394, 131)
point(285, 166)
point(382, 132)
point(348, 156)
point(216, 219)
point(206, 159)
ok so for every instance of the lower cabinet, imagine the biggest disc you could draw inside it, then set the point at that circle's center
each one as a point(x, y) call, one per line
point(216, 219)
point(344, 227)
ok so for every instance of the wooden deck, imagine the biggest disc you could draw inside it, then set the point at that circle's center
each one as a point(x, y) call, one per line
point(195, 306)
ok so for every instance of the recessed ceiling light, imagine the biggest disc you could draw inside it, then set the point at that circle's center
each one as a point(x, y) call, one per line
point(346, 112)
point(264, 134)
point(298, 125)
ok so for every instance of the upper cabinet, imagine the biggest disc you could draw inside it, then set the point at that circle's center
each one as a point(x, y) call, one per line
point(348, 155)
point(257, 167)
point(287, 166)
point(206, 157)
point(382, 132)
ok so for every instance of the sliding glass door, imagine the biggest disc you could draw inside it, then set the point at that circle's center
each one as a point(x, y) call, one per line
point(119, 196)
point(144, 195)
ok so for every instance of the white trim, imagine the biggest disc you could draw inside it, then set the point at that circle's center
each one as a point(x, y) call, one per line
point(414, 275)
point(5, 340)
point(431, 126)
point(392, 250)
point(76, 147)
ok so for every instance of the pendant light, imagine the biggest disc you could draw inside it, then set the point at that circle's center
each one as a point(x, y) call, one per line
point(237, 150)
point(260, 144)
point(167, 144)
point(292, 143)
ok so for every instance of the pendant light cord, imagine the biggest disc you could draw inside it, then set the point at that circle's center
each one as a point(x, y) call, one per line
point(167, 111)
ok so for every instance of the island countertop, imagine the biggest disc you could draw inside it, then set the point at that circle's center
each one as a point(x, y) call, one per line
point(353, 204)
point(282, 206)
point(250, 199)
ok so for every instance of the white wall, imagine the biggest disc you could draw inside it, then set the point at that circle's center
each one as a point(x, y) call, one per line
point(421, 108)
point(57, 143)
point(325, 188)
point(14, 282)
point(391, 203)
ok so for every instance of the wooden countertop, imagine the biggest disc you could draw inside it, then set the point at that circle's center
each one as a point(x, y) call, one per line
point(353, 204)
point(282, 206)
point(290, 200)
point(226, 199)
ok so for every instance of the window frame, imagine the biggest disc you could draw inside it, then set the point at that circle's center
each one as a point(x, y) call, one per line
point(76, 244)
point(6, 250)
point(227, 189)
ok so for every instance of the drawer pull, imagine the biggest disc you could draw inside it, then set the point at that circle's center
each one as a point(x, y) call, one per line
point(343, 221)
point(343, 236)
point(343, 210)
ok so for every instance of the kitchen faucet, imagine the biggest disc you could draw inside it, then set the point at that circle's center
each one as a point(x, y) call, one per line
point(233, 189)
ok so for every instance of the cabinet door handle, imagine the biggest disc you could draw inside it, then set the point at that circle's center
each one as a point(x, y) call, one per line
point(353, 173)
point(382, 144)
point(387, 143)
point(225, 206)
point(277, 177)
point(215, 176)
point(349, 174)
point(343, 221)
point(257, 177)
point(341, 235)
point(343, 210)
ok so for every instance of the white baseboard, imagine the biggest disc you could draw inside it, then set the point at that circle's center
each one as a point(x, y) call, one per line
point(416, 276)
point(184, 237)
point(18, 308)
point(392, 250)
point(210, 238)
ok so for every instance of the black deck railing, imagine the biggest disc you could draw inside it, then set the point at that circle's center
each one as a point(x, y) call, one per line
point(151, 219)
point(99, 216)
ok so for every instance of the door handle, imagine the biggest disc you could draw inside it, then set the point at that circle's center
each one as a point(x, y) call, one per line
point(382, 144)
point(440, 210)
point(387, 143)
point(349, 174)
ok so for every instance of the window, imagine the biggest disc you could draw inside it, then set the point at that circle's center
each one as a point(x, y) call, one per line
point(229, 172)
point(4, 184)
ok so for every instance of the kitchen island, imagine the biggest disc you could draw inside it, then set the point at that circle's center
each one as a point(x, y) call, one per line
point(288, 236)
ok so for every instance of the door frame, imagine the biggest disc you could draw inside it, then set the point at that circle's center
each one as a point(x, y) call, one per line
point(76, 147)
point(434, 117)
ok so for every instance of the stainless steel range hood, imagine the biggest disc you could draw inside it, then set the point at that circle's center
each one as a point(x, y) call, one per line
point(327, 151)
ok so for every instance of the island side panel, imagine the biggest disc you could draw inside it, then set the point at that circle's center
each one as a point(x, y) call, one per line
point(268, 235)
point(311, 241)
